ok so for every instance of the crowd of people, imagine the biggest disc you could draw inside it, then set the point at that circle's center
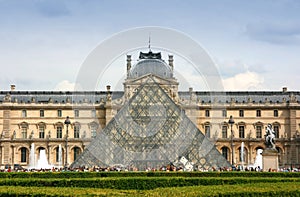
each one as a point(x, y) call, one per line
point(168, 168)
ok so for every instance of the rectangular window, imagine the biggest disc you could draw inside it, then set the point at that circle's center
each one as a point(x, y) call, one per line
point(275, 113)
point(258, 113)
point(207, 131)
point(42, 132)
point(93, 112)
point(241, 132)
point(42, 113)
point(258, 132)
point(24, 133)
point(93, 132)
point(59, 132)
point(76, 131)
point(76, 113)
point(24, 113)
point(241, 113)
point(207, 113)
point(224, 131)
point(224, 113)
point(276, 130)
point(59, 113)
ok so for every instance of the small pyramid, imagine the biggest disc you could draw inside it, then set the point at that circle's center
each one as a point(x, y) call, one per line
point(150, 131)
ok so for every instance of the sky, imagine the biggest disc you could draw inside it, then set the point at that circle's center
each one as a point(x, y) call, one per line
point(255, 44)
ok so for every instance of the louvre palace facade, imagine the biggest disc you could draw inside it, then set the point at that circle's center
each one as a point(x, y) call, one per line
point(38, 117)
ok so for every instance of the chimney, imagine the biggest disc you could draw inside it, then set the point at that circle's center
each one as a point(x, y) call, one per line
point(12, 87)
point(284, 89)
point(171, 60)
point(108, 95)
point(108, 88)
point(128, 64)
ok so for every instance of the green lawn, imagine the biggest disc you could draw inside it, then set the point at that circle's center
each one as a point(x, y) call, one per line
point(259, 189)
point(150, 184)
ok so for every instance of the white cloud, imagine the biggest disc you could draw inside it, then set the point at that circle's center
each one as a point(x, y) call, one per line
point(65, 85)
point(244, 81)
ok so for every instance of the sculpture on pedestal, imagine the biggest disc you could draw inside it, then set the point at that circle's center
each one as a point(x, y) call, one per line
point(270, 137)
point(270, 154)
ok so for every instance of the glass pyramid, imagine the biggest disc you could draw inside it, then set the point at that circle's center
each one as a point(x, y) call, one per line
point(151, 131)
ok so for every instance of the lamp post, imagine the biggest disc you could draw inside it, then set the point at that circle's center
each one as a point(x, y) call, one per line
point(231, 122)
point(67, 122)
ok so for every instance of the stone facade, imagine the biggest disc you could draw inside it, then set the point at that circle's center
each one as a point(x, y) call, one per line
point(28, 117)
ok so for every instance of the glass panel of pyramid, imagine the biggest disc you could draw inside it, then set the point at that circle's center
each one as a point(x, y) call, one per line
point(151, 131)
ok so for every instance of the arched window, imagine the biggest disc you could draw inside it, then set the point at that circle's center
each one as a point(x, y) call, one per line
point(225, 152)
point(76, 152)
point(23, 154)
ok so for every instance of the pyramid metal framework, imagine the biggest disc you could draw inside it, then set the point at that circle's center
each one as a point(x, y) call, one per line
point(151, 131)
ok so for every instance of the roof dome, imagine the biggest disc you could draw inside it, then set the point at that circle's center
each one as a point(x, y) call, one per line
point(150, 65)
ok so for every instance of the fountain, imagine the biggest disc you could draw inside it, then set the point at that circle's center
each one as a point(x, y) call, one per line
point(32, 157)
point(60, 156)
point(258, 158)
point(42, 162)
point(242, 155)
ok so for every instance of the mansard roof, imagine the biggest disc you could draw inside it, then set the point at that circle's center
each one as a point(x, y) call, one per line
point(200, 96)
point(242, 96)
point(58, 96)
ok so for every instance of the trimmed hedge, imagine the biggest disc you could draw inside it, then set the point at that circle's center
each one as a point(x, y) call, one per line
point(140, 183)
point(255, 189)
point(144, 174)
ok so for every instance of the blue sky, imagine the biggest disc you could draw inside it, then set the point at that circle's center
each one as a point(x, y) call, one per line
point(256, 44)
